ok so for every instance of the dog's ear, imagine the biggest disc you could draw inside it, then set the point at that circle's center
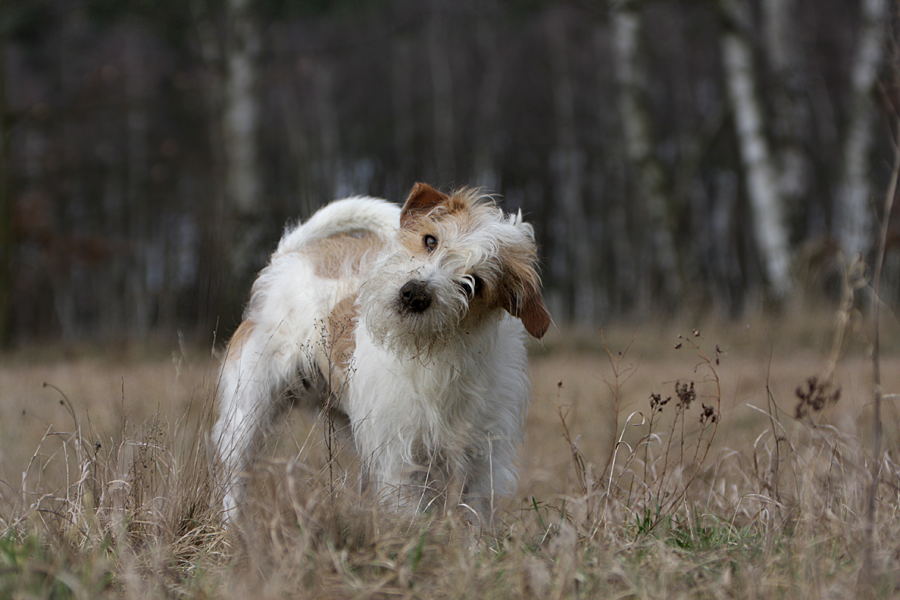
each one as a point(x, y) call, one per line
point(422, 199)
point(528, 305)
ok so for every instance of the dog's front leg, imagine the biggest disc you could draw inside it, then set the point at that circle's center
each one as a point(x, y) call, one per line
point(490, 473)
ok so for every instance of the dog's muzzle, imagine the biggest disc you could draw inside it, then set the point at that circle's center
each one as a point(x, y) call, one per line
point(414, 296)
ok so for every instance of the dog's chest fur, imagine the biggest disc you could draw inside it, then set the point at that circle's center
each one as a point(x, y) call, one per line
point(445, 407)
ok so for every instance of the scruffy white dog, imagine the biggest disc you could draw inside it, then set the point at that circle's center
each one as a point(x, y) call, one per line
point(415, 321)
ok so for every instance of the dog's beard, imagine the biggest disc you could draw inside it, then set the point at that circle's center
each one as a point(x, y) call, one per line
point(394, 326)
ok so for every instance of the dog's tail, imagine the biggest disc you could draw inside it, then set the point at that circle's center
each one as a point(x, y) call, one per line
point(355, 215)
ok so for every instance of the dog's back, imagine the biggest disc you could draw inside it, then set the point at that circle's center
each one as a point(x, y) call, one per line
point(358, 215)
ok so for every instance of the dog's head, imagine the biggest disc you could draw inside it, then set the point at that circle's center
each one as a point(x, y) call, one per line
point(458, 263)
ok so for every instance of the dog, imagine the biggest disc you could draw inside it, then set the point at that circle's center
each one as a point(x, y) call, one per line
point(415, 319)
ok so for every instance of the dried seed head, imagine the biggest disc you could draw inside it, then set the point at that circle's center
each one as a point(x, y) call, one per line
point(656, 402)
point(686, 394)
point(708, 415)
point(813, 398)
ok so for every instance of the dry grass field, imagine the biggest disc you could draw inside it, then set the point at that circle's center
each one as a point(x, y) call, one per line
point(661, 462)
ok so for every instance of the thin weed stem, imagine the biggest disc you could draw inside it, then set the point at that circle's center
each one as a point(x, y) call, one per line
point(865, 581)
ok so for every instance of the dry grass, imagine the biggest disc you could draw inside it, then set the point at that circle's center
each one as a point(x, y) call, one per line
point(626, 489)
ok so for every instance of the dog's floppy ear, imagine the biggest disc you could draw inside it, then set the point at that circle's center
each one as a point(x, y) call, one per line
point(528, 305)
point(422, 199)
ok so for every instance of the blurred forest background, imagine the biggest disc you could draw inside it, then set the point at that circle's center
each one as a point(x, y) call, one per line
point(705, 156)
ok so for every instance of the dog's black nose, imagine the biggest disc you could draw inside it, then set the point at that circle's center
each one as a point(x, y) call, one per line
point(414, 296)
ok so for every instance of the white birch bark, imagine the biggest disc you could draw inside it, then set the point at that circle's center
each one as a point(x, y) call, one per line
point(766, 203)
point(231, 54)
point(240, 123)
point(854, 213)
point(241, 109)
point(639, 142)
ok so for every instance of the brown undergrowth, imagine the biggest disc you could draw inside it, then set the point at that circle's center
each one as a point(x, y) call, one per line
point(688, 471)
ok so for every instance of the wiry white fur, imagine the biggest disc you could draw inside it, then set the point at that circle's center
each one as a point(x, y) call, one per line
point(460, 408)
point(288, 306)
point(357, 213)
point(432, 397)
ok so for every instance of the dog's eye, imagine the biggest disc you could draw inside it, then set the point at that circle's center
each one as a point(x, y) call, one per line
point(430, 242)
point(473, 284)
point(477, 285)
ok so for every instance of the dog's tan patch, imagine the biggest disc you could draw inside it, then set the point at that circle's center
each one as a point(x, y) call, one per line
point(533, 313)
point(422, 200)
point(342, 255)
point(455, 206)
point(444, 218)
point(244, 330)
point(427, 204)
point(521, 292)
point(334, 353)
point(341, 322)
point(412, 238)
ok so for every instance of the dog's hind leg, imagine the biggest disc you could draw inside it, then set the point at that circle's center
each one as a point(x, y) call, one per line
point(258, 367)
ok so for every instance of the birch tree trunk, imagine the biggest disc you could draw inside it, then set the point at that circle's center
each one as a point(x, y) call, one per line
point(766, 203)
point(640, 144)
point(569, 172)
point(230, 231)
point(240, 120)
point(854, 218)
point(136, 186)
point(240, 114)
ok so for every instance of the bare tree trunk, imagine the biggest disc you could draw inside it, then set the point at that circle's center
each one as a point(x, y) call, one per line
point(766, 203)
point(442, 96)
point(329, 131)
point(230, 226)
point(402, 70)
point(240, 121)
point(792, 115)
point(487, 107)
point(854, 219)
point(569, 169)
point(6, 232)
point(136, 185)
point(298, 143)
point(640, 144)
point(240, 115)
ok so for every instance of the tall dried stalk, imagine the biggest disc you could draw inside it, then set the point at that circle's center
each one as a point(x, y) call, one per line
point(865, 575)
